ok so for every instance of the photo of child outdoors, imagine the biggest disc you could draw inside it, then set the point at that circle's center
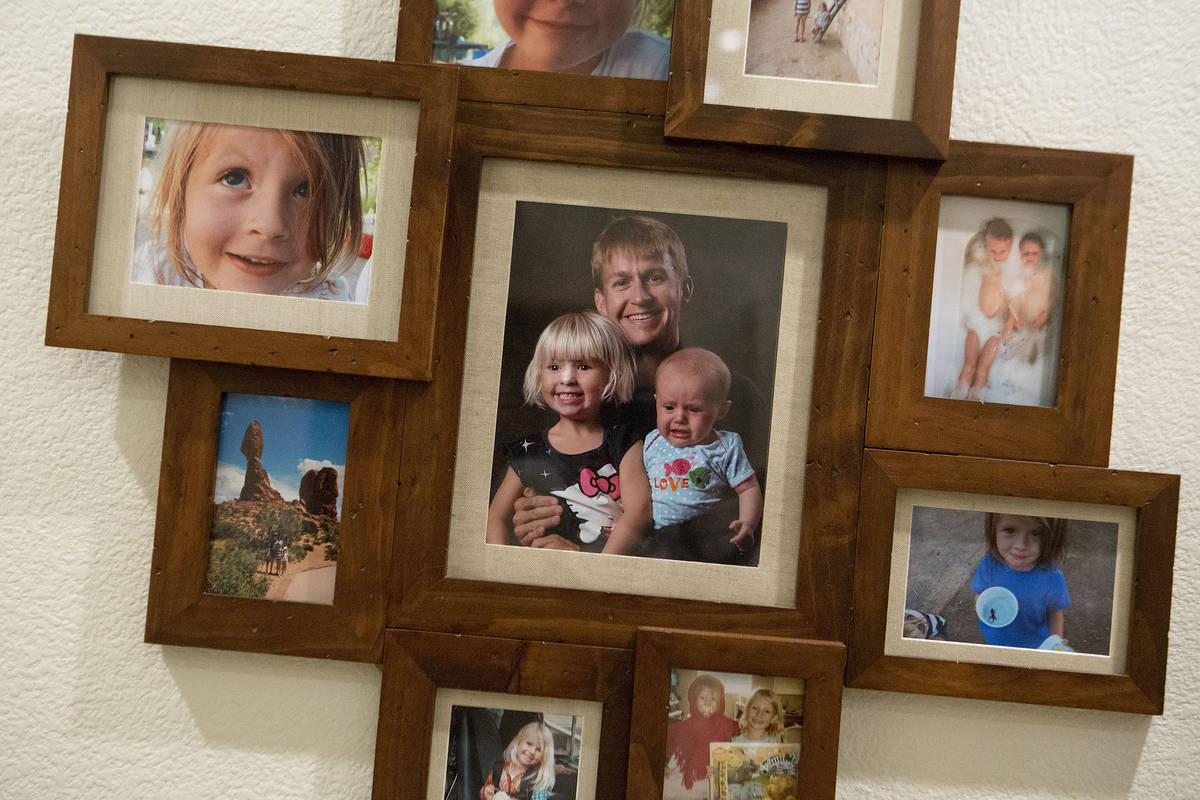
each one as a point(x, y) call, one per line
point(612, 38)
point(258, 210)
point(277, 498)
point(835, 41)
point(995, 326)
point(506, 754)
point(1011, 580)
point(639, 427)
point(733, 735)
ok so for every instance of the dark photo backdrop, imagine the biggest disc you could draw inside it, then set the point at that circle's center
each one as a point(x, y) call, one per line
point(736, 267)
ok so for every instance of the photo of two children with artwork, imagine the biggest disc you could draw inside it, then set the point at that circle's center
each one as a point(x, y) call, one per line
point(634, 418)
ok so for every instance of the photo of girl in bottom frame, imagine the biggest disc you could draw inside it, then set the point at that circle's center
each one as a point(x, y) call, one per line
point(1010, 580)
point(733, 736)
point(507, 754)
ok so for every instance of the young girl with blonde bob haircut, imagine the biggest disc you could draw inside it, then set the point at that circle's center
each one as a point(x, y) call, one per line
point(581, 362)
point(257, 210)
point(763, 719)
point(527, 769)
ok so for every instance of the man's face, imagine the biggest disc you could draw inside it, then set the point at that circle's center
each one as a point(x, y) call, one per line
point(644, 296)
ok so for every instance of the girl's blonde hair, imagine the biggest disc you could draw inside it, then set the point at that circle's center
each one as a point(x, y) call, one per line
point(584, 336)
point(545, 773)
point(333, 213)
point(1051, 532)
point(776, 726)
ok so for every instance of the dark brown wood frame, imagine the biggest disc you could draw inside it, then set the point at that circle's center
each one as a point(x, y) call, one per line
point(96, 60)
point(424, 598)
point(1096, 186)
point(414, 44)
point(180, 612)
point(416, 664)
point(924, 136)
point(1156, 498)
point(660, 650)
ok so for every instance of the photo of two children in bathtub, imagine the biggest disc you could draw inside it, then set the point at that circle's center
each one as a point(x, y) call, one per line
point(634, 402)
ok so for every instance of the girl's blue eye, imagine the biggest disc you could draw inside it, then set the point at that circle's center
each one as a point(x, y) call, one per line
point(302, 189)
point(236, 178)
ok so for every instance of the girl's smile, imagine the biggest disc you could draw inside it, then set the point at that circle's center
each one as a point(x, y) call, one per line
point(245, 212)
point(528, 752)
point(561, 35)
point(574, 388)
point(1018, 542)
point(759, 715)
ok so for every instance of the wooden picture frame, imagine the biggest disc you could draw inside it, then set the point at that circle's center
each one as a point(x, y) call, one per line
point(1149, 500)
point(418, 664)
point(180, 612)
point(414, 45)
point(819, 605)
point(660, 650)
point(818, 117)
point(118, 84)
point(1095, 187)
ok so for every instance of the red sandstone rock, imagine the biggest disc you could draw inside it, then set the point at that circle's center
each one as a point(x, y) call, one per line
point(319, 492)
point(258, 483)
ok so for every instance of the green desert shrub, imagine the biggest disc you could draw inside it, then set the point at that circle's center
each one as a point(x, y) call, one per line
point(233, 571)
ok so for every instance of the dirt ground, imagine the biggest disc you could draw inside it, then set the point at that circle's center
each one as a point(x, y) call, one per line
point(279, 584)
point(946, 546)
point(771, 48)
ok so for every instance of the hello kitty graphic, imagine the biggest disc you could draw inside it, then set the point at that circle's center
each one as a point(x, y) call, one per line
point(594, 498)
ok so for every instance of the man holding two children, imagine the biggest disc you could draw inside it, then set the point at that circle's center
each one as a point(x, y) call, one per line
point(641, 281)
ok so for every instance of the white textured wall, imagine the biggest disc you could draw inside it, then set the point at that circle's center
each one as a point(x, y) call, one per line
point(90, 711)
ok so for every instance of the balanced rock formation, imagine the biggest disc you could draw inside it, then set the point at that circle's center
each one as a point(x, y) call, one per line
point(319, 492)
point(258, 483)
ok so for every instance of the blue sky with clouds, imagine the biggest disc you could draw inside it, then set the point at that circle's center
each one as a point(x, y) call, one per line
point(298, 435)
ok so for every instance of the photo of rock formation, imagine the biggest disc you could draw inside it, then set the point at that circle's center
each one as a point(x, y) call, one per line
point(276, 502)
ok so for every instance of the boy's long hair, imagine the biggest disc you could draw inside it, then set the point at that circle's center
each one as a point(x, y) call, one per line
point(776, 726)
point(1051, 532)
point(639, 237)
point(333, 214)
point(545, 773)
point(583, 336)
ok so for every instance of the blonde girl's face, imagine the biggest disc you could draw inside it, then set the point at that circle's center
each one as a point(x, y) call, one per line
point(760, 713)
point(574, 388)
point(244, 209)
point(562, 35)
point(1018, 541)
point(529, 751)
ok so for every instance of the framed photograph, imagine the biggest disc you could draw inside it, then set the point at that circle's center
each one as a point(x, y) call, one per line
point(610, 56)
point(864, 77)
point(1003, 268)
point(610, 257)
point(459, 715)
point(277, 500)
point(1011, 580)
point(724, 716)
point(251, 207)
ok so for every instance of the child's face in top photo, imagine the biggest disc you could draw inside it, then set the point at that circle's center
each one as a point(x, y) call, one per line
point(706, 702)
point(644, 296)
point(685, 405)
point(244, 210)
point(1031, 254)
point(562, 35)
point(998, 249)
point(1017, 541)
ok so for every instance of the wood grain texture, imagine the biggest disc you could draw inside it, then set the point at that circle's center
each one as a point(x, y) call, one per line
point(1096, 186)
point(424, 598)
point(96, 60)
point(414, 45)
point(179, 612)
point(659, 650)
point(924, 136)
point(1156, 498)
point(417, 663)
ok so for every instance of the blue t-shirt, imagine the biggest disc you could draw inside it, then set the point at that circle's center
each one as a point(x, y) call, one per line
point(1038, 591)
point(687, 481)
